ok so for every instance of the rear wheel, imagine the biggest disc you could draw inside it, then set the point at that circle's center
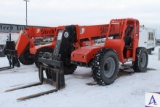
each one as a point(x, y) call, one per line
point(26, 58)
point(105, 67)
point(37, 55)
point(141, 62)
point(149, 51)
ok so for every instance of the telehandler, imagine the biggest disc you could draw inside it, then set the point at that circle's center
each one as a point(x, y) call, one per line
point(30, 43)
point(100, 47)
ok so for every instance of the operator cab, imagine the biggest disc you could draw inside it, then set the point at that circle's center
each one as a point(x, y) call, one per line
point(128, 37)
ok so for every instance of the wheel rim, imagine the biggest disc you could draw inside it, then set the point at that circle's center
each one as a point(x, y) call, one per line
point(109, 67)
point(143, 60)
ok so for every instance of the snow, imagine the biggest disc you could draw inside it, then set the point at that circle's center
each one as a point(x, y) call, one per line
point(127, 91)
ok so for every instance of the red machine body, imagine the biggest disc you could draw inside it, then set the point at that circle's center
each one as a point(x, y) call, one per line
point(116, 27)
point(29, 36)
point(100, 47)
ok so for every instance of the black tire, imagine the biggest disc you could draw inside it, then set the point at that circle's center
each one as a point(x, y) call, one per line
point(69, 69)
point(141, 62)
point(44, 49)
point(149, 51)
point(26, 58)
point(105, 67)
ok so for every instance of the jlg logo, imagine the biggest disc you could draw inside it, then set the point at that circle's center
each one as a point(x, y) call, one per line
point(103, 30)
point(44, 31)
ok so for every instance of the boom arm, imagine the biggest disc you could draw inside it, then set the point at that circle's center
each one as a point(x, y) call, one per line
point(28, 36)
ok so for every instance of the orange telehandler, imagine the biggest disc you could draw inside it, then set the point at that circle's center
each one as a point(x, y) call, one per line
point(100, 47)
point(30, 43)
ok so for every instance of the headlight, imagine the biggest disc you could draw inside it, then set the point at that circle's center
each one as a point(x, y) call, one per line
point(66, 34)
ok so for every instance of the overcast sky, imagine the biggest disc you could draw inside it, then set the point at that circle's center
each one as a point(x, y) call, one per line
point(83, 12)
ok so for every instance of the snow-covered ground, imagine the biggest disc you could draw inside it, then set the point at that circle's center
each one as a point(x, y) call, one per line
point(127, 91)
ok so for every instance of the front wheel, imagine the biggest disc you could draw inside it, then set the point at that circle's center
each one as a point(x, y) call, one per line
point(105, 67)
point(26, 58)
point(141, 62)
point(69, 69)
